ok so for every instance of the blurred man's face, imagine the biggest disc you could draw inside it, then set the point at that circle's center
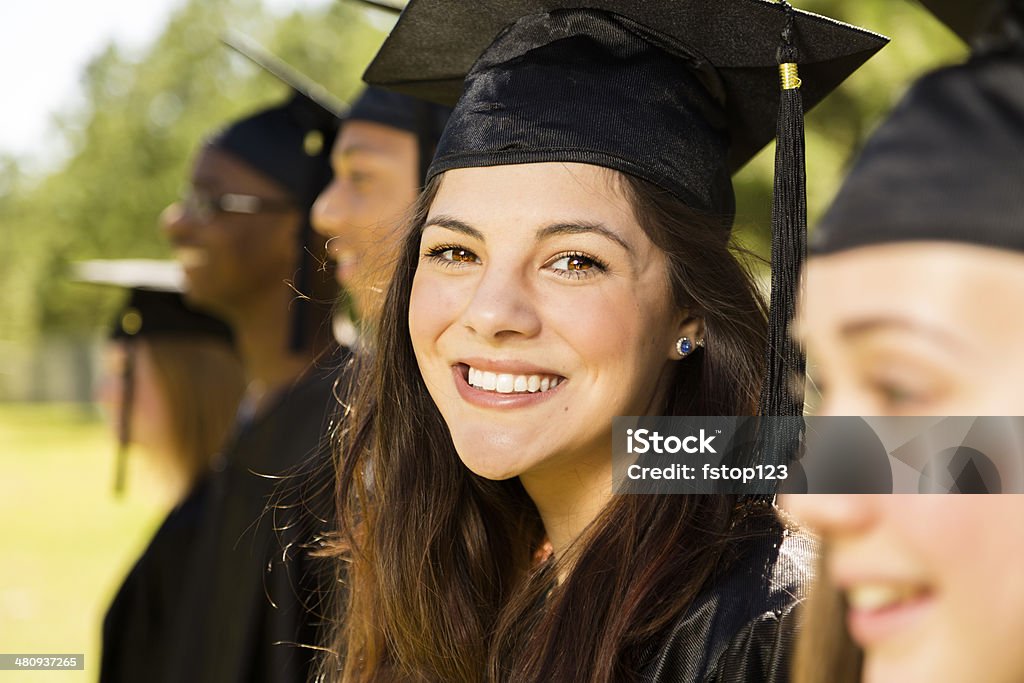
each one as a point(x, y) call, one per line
point(362, 211)
point(231, 258)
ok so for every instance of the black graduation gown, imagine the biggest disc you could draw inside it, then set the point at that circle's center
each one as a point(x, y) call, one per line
point(135, 627)
point(742, 628)
point(251, 591)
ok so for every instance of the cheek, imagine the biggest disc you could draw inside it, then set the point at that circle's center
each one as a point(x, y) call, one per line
point(433, 307)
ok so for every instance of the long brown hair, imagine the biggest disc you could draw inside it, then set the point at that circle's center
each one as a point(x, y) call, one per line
point(202, 382)
point(825, 652)
point(438, 563)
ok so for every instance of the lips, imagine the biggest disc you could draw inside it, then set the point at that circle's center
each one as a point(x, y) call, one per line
point(879, 610)
point(505, 384)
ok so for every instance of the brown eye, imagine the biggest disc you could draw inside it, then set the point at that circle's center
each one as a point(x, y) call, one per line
point(449, 255)
point(459, 255)
point(574, 262)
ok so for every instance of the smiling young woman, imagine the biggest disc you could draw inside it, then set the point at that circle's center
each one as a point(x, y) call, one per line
point(563, 268)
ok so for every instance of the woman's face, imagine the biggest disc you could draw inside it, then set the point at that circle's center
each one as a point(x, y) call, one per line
point(934, 583)
point(921, 328)
point(540, 310)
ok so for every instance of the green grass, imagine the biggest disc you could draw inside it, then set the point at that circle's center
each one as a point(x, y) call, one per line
point(66, 542)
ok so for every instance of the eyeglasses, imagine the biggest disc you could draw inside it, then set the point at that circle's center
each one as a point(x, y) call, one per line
point(203, 207)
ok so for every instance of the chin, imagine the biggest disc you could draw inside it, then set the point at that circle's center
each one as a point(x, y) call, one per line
point(495, 459)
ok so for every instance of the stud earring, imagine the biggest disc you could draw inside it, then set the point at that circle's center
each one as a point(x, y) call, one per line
point(684, 346)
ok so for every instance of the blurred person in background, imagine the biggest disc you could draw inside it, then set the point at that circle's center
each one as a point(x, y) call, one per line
point(380, 161)
point(913, 301)
point(242, 234)
point(171, 387)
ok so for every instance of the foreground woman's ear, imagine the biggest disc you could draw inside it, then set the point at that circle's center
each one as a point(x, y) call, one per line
point(690, 336)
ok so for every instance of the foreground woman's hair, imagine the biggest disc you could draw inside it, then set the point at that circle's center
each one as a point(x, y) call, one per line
point(439, 565)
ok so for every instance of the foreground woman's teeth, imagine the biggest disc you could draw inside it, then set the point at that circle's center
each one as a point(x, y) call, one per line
point(505, 383)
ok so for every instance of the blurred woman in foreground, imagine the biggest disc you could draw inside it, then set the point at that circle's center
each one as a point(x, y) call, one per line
point(913, 307)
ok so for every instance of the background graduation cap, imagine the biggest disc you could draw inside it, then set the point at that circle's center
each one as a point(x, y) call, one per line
point(681, 93)
point(946, 165)
point(421, 118)
point(291, 144)
point(966, 18)
point(154, 308)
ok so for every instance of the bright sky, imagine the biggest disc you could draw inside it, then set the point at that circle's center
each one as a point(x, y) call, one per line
point(45, 44)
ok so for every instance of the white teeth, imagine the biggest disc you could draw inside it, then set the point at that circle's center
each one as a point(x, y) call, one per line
point(876, 596)
point(507, 383)
point(191, 257)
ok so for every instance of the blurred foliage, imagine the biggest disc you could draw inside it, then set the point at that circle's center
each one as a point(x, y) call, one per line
point(131, 143)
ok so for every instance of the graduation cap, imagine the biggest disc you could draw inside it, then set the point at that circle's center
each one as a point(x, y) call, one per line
point(290, 143)
point(681, 93)
point(966, 18)
point(947, 165)
point(155, 308)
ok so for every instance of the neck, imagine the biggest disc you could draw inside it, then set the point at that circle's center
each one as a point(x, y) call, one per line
point(262, 328)
point(569, 498)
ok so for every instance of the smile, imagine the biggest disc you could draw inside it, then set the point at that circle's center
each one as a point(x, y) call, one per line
point(191, 257)
point(491, 388)
point(878, 611)
point(505, 383)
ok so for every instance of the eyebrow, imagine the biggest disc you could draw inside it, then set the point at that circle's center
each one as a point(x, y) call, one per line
point(455, 225)
point(578, 228)
point(353, 150)
point(867, 325)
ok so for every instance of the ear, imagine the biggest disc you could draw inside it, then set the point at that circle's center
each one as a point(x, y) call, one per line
point(691, 328)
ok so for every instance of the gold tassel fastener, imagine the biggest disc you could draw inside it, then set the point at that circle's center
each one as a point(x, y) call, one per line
point(790, 76)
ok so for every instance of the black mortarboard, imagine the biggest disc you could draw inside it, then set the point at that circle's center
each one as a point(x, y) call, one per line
point(966, 18)
point(681, 93)
point(707, 68)
point(948, 164)
point(155, 308)
point(291, 144)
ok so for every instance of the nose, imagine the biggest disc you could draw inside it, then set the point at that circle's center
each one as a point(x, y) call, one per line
point(328, 214)
point(831, 514)
point(176, 224)
point(503, 305)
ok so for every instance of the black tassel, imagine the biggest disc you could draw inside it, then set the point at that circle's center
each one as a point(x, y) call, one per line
point(124, 435)
point(782, 392)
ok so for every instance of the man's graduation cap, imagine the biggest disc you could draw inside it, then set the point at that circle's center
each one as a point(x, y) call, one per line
point(291, 144)
point(681, 93)
point(155, 308)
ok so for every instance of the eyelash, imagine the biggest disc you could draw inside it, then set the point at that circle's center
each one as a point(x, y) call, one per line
point(598, 264)
point(436, 254)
